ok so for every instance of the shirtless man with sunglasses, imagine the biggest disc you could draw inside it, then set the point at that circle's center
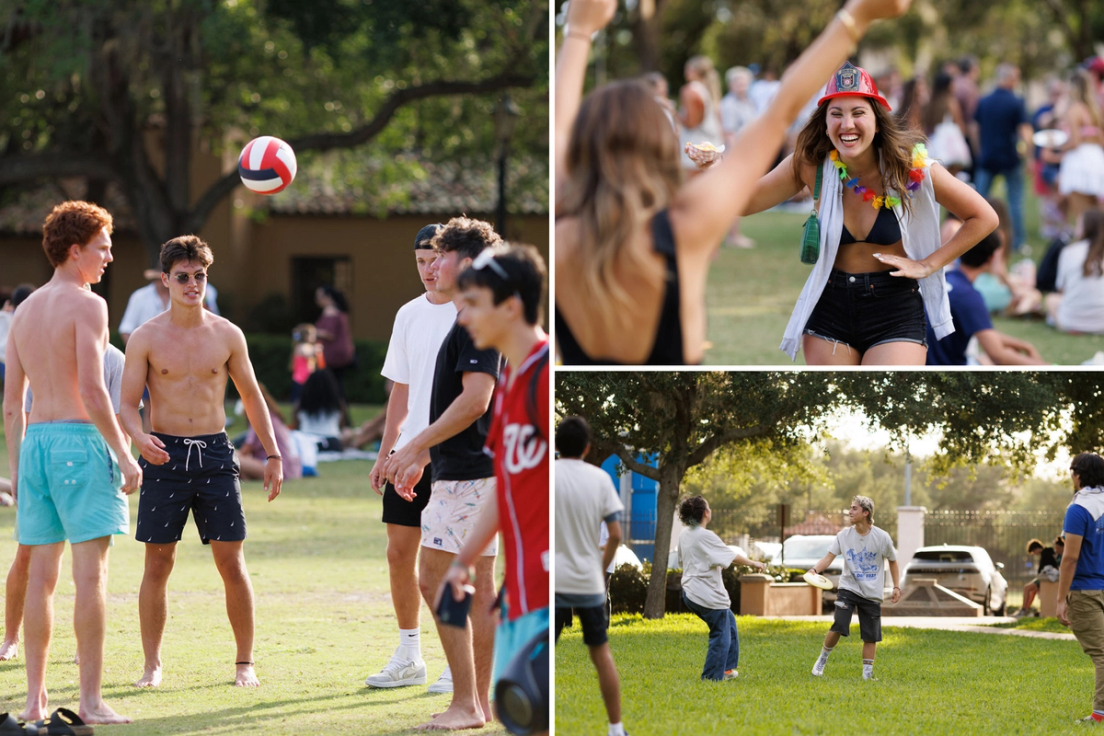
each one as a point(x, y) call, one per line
point(185, 356)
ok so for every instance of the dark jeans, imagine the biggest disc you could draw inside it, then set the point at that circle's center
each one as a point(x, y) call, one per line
point(724, 643)
point(1013, 180)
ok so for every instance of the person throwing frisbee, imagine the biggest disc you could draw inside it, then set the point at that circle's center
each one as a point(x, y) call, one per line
point(865, 549)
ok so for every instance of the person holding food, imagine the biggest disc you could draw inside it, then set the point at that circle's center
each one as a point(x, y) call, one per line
point(640, 240)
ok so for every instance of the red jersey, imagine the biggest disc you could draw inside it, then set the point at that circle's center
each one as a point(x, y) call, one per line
point(518, 441)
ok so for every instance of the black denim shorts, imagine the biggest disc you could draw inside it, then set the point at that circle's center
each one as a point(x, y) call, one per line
point(870, 616)
point(862, 310)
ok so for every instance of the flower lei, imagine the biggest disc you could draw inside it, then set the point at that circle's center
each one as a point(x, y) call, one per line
point(916, 175)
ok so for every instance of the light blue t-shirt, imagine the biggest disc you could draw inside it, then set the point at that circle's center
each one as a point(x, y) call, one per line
point(1089, 573)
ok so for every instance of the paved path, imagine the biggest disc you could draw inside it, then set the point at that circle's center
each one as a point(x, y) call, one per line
point(972, 624)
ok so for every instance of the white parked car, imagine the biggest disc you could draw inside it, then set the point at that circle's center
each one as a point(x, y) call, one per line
point(800, 552)
point(968, 571)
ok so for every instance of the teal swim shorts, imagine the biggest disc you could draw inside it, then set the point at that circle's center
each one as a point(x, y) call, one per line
point(69, 486)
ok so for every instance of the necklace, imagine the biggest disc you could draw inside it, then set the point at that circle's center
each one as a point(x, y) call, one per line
point(916, 175)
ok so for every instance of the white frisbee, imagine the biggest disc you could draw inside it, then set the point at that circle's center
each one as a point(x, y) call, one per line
point(817, 581)
point(1052, 138)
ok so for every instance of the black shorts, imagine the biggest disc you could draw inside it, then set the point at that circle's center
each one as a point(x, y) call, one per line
point(870, 616)
point(862, 310)
point(201, 476)
point(397, 510)
point(593, 620)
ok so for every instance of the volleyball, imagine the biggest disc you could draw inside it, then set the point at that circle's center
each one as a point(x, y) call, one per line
point(266, 165)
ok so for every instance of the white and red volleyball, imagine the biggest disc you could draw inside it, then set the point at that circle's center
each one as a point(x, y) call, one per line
point(266, 165)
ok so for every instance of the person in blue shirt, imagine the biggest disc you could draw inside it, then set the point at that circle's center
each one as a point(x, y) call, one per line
point(971, 317)
point(1002, 123)
point(1081, 576)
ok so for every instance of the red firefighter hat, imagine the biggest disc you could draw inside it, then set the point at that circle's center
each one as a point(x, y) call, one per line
point(852, 80)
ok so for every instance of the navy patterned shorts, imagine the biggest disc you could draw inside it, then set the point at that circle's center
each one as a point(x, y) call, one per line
point(201, 476)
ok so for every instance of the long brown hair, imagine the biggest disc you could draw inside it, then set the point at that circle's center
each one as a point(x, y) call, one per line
point(622, 168)
point(1092, 227)
point(1081, 89)
point(892, 140)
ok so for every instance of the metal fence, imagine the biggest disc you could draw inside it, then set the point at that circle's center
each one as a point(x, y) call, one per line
point(1004, 534)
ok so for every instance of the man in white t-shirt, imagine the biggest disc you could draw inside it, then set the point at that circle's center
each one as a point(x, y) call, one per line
point(865, 549)
point(585, 497)
point(420, 327)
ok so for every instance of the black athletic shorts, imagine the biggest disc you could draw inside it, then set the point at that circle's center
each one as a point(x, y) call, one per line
point(202, 477)
point(862, 310)
point(594, 621)
point(397, 510)
point(870, 616)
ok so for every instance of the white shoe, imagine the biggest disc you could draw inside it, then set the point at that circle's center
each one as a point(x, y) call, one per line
point(818, 668)
point(443, 684)
point(399, 672)
point(731, 675)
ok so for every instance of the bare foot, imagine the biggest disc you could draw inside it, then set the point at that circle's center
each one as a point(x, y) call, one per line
point(9, 650)
point(102, 714)
point(30, 715)
point(454, 719)
point(150, 678)
point(246, 677)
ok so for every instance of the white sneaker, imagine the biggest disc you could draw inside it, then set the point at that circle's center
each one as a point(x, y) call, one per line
point(731, 675)
point(818, 668)
point(443, 684)
point(399, 672)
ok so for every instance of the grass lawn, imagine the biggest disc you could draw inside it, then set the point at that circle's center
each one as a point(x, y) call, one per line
point(752, 292)
point(928, 682)
point(324, 622)
point(1030, 623)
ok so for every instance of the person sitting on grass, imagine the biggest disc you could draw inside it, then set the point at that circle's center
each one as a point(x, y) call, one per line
point(251, 455)
point(1046, 559)
point(320, 409)
point(971, 317)
point(865, 549)
point(702, 556)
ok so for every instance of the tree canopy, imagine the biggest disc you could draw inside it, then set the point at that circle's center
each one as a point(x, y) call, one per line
point(1005, 420)
point(660, 35)
point(85, 84)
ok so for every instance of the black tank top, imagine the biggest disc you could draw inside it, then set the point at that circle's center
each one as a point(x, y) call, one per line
point(886, 230)
point(667, 347)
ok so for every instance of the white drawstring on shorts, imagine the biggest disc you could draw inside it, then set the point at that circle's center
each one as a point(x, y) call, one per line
point(200, 446)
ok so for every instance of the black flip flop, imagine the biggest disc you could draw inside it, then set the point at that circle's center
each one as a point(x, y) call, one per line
point(62, 722)
point(9, 726)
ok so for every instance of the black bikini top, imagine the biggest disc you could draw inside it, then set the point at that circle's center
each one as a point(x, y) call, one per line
point(667, 347)
point(886, 230)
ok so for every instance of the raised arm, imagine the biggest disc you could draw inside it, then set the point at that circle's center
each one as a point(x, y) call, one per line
point(245, 380)
point(584, 18)
point(706, 206)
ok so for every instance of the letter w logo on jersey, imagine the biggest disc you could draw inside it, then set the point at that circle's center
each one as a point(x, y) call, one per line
point(525, 448)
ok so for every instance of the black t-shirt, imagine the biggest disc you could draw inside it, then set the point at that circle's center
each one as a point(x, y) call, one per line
point(461, 457)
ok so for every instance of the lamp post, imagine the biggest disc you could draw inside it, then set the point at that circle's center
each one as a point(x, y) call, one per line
point(506, 115)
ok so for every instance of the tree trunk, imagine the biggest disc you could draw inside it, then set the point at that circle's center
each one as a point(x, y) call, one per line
point(656, 603)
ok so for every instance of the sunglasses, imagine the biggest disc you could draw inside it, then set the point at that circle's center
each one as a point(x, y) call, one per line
point(486, 259)
point(183, 278)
